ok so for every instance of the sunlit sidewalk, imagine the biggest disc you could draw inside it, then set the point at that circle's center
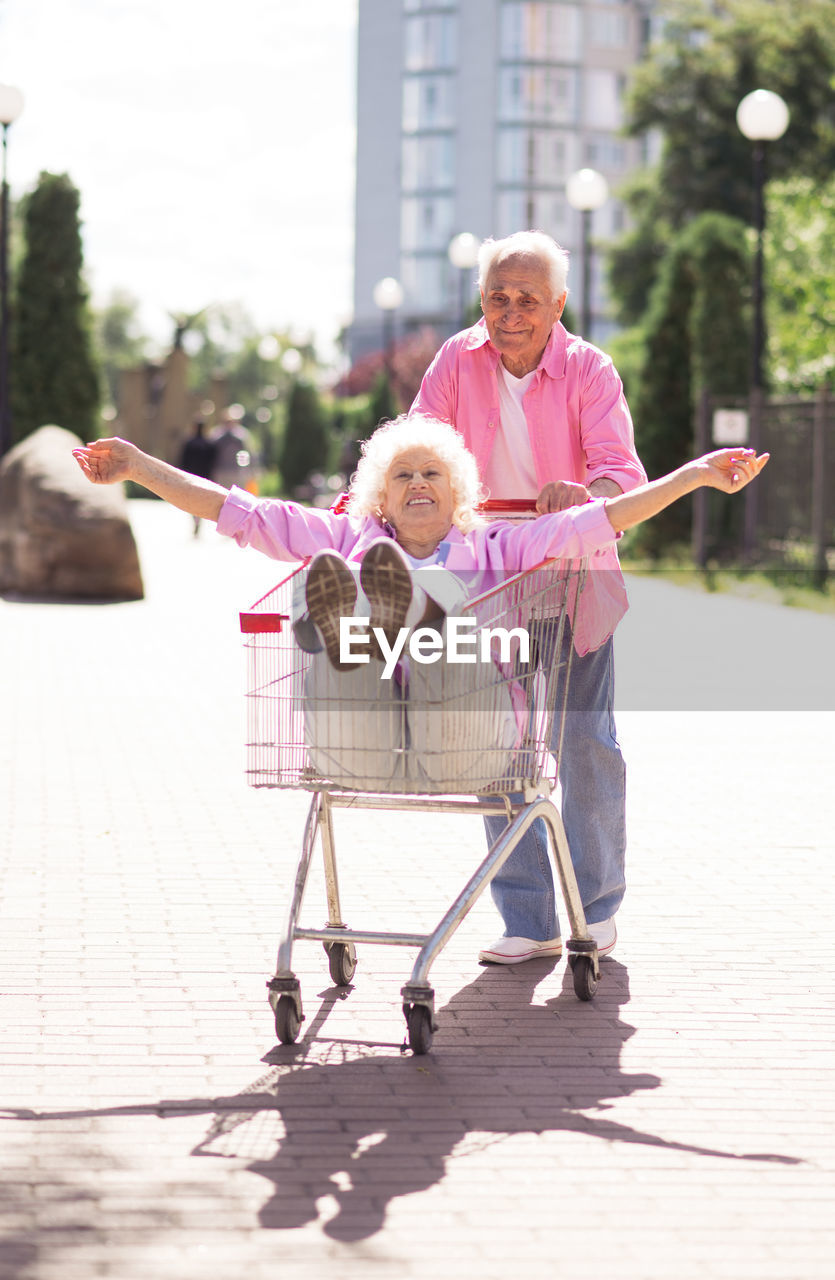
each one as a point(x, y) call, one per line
point(679, 1125)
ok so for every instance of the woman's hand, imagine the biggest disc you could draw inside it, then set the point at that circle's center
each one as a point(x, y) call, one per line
point(107, 461)
point(730, 469)
point(727, 469)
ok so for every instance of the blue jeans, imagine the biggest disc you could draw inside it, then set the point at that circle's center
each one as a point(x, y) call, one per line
point(593, 780)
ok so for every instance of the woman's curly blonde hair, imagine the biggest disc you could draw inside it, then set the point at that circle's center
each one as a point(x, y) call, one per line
point(368, 483)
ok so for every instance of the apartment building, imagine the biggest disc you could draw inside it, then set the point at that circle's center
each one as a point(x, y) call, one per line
point(471, 115)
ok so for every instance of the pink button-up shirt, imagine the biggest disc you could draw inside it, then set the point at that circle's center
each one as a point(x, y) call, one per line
point(579, 427)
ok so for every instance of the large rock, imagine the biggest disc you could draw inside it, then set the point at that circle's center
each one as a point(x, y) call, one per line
point(60, 536)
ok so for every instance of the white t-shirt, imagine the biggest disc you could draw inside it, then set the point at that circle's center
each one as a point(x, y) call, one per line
point(510, 472)
point(421, 563)
point(437, 582)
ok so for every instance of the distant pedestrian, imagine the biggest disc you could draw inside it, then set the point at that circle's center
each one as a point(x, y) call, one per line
point(233, 459)
point(199, 458)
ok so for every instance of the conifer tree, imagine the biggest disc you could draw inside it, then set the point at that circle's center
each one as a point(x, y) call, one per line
point(696, 338)
point(306, 446)
point(53, 377)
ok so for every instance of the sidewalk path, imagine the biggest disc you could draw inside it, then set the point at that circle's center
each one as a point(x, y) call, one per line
point(680, 1125)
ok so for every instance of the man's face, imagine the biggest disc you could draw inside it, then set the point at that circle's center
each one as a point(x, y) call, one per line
point(520, 310)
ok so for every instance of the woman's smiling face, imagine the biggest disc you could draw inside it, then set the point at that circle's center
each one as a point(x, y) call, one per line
point(418, 499)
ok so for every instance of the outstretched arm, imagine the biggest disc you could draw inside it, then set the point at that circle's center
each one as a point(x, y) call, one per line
point(109, 461)
point(727, 469)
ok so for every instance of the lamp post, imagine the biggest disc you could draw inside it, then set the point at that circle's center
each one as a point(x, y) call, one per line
point(463, 254)
point(11, 105)
point(586, 190)
point(388, 296)
point(763, 117)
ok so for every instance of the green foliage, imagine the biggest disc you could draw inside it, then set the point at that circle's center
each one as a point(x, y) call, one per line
point(54, 375)
point(382, 405)
point(800, 253)
point(626, 347)
point(688, 87)
point(307, 445)
point(119, 344)
point(662, 407)
point(568, 318)
point(634, 260)
point(696, 338)
point(718, 250)
point(258, 368)
point(355, 418)
point(691, 83)
point(352, 417)
point(216, 340)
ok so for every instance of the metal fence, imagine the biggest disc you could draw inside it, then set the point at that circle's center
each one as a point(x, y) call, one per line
point(788, 516)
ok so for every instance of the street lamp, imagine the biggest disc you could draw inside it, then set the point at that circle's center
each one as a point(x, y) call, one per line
point(388, 296)
point(11, 105)
point(463, 254)
point(586, 190)
point(763, 117)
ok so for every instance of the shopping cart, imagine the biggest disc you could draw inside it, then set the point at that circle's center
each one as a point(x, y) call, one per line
point(438, 739)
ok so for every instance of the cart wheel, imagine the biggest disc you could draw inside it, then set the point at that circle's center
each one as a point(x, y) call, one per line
point(287, 1020)
point(419, 1022)
point(342, 962)
point(585, 983)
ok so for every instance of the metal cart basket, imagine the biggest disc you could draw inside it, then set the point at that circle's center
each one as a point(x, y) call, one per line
point(467, 736)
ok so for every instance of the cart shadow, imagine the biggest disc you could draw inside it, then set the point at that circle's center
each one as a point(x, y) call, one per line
point(366, 1131)
point(339, 1129)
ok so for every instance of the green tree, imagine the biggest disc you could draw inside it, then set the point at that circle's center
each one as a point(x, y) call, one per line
point(119, 342)
point(688, 87)
point(719, 253)
point(216, 337)
point(696, 339)
point(307, 444)
point(383, 404)
point(708, 58)
point(55, 378)
point(662, 408)
point(800, 253)
point(634, 260)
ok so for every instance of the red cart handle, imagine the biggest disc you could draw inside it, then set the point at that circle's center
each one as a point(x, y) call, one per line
point(511, 505)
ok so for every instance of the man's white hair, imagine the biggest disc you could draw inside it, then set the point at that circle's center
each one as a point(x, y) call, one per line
point(368, 483)
point(528, 243)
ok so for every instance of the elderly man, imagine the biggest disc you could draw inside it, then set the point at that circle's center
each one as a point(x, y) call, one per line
point(545, 415)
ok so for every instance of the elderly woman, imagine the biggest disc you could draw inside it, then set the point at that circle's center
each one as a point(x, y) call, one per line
point(411, 510)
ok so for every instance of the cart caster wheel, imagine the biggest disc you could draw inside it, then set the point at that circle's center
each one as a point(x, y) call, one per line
point(585, 983)
point(419, 1022)
point(287, 1020)
point(342, 962)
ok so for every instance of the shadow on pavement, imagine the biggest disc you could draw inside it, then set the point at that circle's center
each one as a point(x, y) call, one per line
point(343, 1120)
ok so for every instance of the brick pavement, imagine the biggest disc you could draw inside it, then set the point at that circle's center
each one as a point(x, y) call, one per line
point(679, 1125)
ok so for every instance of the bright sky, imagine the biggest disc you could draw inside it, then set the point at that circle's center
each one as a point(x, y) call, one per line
point(213, 144)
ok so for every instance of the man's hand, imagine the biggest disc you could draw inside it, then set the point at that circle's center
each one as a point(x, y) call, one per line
point(107, 461)
point(559, 494)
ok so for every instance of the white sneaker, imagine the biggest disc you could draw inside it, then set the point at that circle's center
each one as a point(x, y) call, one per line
point(605, 935)
point(515, 950)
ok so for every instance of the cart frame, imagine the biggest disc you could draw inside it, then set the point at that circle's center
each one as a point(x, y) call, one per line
point(266, 626)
